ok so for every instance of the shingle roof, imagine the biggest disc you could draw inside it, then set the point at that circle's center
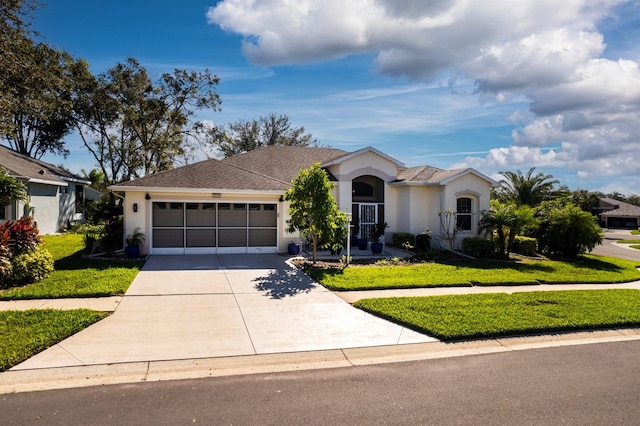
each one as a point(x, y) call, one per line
point(283, 162)
point(620, 208)
point(269, 168)
point(209, 174)
point(19, 165)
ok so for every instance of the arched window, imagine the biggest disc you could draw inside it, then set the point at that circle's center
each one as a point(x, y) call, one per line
point(464, 213)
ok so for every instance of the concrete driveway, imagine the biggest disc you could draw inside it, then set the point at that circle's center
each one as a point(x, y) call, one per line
point(183, 307)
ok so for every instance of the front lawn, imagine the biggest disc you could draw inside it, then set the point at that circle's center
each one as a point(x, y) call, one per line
point(587, 269)
point(75, 276)
point(25, 333)
point(492, 315)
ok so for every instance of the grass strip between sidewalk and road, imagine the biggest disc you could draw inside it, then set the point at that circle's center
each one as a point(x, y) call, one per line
point(77, 277)
point(586, 269)
point(25, 333)
point(460, 317)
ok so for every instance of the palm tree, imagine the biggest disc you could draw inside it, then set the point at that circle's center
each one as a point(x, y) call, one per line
point(529, 189)
point(507, 220)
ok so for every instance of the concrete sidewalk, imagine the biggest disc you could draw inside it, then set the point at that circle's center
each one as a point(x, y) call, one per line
point(354, 296)
point(103, 304)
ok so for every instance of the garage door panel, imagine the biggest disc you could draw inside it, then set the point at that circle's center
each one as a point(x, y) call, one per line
point(201, 237)
point(263, 215)
point(168, 214)
point(232, 238)
point(201, 214)
point(164, 238)
point(263, 237)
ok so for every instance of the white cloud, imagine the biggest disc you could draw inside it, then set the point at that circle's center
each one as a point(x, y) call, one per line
point(549, 52)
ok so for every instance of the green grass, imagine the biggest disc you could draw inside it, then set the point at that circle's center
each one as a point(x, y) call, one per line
point(628, 241)
point(25, 333)
point(77, 277)
point(492, 315)
point(587, 269)
point(635, 232)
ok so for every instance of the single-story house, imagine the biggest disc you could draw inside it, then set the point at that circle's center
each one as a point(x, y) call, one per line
point(618, 214)
point(56, 196)
point(236, 205)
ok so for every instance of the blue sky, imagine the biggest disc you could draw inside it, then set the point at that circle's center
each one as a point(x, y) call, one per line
point(495, 85)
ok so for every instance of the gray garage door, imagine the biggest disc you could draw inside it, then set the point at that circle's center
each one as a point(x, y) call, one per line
point(182, 227)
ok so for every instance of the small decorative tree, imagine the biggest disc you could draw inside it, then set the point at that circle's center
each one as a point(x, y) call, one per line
point(449, 226)
point(313, 210)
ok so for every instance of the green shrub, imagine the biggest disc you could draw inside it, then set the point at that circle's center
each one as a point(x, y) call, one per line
point(525, 246)
point(404, 239)
point(31, 267)
point(479, 247)
point(423, 242)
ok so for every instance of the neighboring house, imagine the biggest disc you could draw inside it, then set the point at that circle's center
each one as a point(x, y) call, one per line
point(618, 214)
point(235, 205)
point(56, 196)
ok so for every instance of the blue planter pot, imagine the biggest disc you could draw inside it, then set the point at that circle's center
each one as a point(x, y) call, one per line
point(293, 249)
point(376, 248)
point(132, 252)
point(362, 243)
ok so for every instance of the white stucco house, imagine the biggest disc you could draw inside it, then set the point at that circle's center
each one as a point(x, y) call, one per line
point(235, 205)
point(55, 195)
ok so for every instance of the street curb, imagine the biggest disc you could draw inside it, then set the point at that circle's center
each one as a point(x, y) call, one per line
point(16, 381)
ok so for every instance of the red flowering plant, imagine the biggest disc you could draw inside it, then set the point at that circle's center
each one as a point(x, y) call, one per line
point(19, 236)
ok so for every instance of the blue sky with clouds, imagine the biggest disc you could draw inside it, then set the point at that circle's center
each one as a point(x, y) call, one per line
point(494, 84)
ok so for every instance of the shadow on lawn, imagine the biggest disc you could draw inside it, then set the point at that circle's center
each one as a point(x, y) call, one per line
point(75, 261)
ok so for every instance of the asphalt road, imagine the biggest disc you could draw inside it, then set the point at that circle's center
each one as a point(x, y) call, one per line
point(609, 247)
point(575, 385)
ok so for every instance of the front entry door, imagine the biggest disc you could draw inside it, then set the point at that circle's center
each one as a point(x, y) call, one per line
point(368, 218)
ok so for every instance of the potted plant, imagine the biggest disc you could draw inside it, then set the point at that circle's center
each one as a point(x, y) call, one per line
point(134, 244)
point(377, 236)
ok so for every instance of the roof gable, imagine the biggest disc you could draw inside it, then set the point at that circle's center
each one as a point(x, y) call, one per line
point(350, 155)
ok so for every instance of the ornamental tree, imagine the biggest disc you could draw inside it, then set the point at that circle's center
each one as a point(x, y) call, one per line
point(313, 209)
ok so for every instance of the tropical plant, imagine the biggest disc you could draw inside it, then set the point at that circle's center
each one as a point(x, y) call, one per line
point(378, 231)
point(313, 210)
point(530, 189)
point(19, 236)
point(506, 220)
point(136, 239)
point(565, 229)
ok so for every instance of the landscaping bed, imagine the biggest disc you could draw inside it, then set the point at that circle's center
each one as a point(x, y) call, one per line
point(457, 272)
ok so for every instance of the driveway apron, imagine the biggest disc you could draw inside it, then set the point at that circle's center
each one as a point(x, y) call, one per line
point(182, 307)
